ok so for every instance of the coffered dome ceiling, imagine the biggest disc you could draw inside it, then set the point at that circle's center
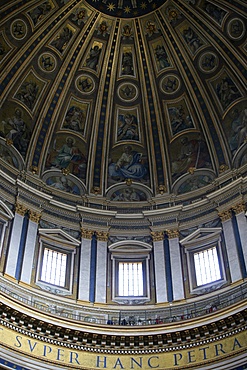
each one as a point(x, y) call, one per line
point(124, 100)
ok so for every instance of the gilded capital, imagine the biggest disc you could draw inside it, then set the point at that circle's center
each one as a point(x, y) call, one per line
point(102, 236)
point(86, 234)
point(238, 208)
point(225, 215)
point(20, 209)
point(34, 216)
point(157, 236)
point(172, 234)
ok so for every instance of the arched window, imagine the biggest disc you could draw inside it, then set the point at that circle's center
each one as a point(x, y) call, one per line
point(205, 263)
point(56, 261)
point(130, 271)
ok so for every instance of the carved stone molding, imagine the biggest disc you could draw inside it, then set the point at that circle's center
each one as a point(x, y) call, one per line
point(225, 215)
point(157, 235)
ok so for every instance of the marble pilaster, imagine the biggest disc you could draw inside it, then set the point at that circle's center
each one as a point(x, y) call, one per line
point(176, 266)
point(13, 250)
point(84, 273)
point(231, 247)
point(159, 268)
point(101, 270)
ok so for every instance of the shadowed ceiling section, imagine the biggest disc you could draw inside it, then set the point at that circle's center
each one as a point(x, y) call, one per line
point(112, 93)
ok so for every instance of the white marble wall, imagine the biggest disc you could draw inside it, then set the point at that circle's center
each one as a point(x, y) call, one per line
point(14, 245)
point(101, 269)
point(231, 248)
point(160, 272)
point(176, 267)
point(29, 252)
point(84, 273)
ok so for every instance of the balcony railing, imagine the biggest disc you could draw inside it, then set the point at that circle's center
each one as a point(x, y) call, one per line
point(131, 317)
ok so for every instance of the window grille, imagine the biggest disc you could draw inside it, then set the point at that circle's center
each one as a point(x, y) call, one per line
point(130, 279)
point(54, 267)
point(207, 266)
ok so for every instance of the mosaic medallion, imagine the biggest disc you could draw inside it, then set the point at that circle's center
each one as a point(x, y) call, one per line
point(85, 84)
point(127, 92)
point(170, 84)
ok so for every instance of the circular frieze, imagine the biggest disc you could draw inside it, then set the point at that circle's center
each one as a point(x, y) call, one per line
point(47, 62)
point(85, 84)
point(236, 29)
point(170, 84)
point(208, 62)
point(18, 29)
point(127, 92)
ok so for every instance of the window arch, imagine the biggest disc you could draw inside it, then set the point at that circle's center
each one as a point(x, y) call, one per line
point(205, 262)
point(56, 261)
point(130, 271)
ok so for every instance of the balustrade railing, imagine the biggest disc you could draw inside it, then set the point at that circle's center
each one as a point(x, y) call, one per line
point(173, 313)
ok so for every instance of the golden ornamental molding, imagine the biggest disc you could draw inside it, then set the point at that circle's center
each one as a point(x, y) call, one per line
point(34, 170)
point(21, 209)
point(225, 215)
point(102, 236)
point(162, 189)
point(9, 142)
point(191, 170)
point(86, 234)
point(65, 171)
point(172, 234)
point(223, 168)
point(157, 235)
point(96, 190)
point(34, 216)
point(239, 208)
